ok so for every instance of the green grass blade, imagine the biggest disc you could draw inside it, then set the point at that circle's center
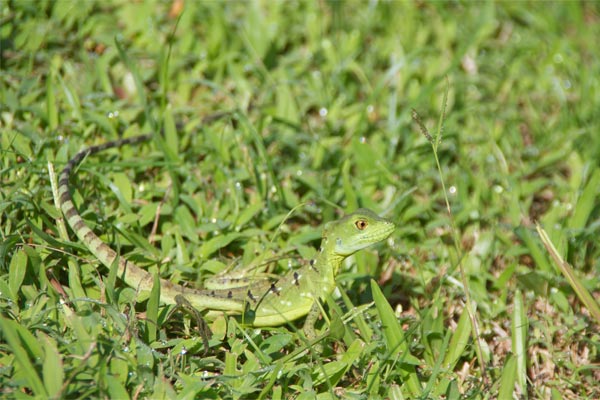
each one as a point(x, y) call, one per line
point(442, 118)
point(453, 225)
point(170, 133)
point(394, 337)
point(139, 83)
point(459, 341)
point(152, 310)
point(329, 373)
point(582, 293)
point(263, 157)
point(436, 387)
point(534, 249)
point(60, 222)
point(165, 58)
point(216, 243)
point(115, 388)
point(508, 378)
point(53, 368)
point(349, 192)
point(395, 393)
point(51, 107)
point(519, 328)
point(586, 202)
point(374, 379)
point(16, 274)
point(18, 339)
point(277, 368)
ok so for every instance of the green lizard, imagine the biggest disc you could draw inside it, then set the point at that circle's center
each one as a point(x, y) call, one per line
point(266, 302)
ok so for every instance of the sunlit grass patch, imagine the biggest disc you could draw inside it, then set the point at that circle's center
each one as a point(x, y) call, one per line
point(321, 98)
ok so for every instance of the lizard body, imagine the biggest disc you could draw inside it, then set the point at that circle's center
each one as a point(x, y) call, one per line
point(271, 302)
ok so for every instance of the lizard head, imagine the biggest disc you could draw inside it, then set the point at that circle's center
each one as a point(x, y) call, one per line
point(356, 231)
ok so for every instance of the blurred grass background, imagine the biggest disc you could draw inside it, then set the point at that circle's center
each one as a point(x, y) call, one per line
point(322, 94)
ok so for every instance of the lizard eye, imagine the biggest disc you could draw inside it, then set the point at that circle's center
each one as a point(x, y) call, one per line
point(361, 224)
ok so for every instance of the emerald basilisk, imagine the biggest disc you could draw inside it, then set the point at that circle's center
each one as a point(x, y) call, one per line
point(269, 302)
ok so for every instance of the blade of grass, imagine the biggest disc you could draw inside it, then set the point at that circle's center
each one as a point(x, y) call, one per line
point(164, 65)
point(152, 310)
point(373, 378)
point(16, 274)
point(115, 388)
point(60, 222)
point(336, 370)
point(139, 84)
point(349, 192)
point(395, 393)
point(116, 188)
point(519, 341)
point(434, 145)
point(459, 341)
point(71, 97)
point(436, 387)
point(395, 339)
point(51, 109)
point(263, 157)
point(582, 293)
point(585, 203)
point(363, 328)
point(53, 368)
point(171, 156)
point(534, 249)
point(18, 340)
point(508, 378)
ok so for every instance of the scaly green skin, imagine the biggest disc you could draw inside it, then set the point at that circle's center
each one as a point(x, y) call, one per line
point(273, 302)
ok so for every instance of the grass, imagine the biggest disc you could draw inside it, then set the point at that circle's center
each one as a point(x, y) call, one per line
point(322, 95)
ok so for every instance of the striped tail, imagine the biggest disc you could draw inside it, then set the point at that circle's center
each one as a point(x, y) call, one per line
point(133, 275)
